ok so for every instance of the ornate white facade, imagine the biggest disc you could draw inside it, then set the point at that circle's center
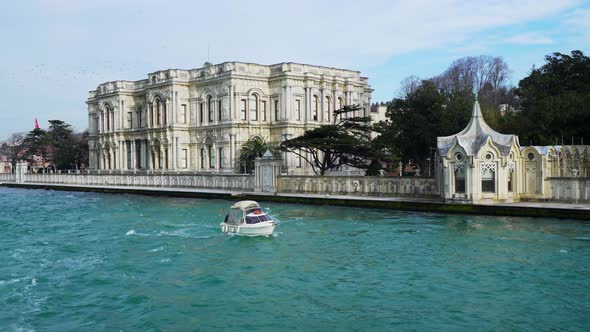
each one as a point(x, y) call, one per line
point(198, 119)
point(479, 164)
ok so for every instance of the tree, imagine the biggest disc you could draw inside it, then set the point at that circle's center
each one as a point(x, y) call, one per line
point(81, 151)
point(346, 141)
point(252, 149)
point(36, 145)
point(14, 148)
point(555, 100)
point(63, 144)
point(417, 120)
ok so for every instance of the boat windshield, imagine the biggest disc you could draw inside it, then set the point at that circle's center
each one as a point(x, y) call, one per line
point(254, 219)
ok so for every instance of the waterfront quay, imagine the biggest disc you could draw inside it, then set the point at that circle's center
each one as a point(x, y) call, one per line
point(520, 209)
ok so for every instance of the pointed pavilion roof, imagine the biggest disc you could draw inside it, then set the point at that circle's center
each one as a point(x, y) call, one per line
point(475, 135)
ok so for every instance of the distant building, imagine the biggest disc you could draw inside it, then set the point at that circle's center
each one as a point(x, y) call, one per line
point(198, 119)
point(5, 165)
point(378, 112)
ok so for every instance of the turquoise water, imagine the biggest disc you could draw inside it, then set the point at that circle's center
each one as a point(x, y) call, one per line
point(101, 262)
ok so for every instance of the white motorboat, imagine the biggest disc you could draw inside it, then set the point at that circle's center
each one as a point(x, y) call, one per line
point(247, 218)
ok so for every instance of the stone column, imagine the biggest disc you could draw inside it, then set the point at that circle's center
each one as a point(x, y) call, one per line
point(148, 155)
point(321, 107)
point(168, 111)
point(229, 101)
point(237, 107)
point(284, 104)
point(175, 153)
point(232, 149)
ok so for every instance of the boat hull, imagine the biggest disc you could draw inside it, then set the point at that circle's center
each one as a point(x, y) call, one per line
point(259, 229)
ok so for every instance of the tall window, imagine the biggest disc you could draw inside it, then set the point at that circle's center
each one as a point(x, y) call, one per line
point(151, 114)
point(243, 109)
point(184, 159)
point(460, 180)
point(510, 180)
point(108, 114)
point(314, 109)
point(253, 108)
point(263, 110)
point(201, 113)
point(487, 179)
point(210, 108)
point(340, 105)
point(276, 110)
point(139, 117)
point(129, 120)
point(219, 110)
point(297, 109)
point(211, 156)
point(183, 113)
point(221, 159)
point(164, 114)
point(157, 111)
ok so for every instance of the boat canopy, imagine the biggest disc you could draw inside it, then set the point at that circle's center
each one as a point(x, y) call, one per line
point(238, 210)
point(244, 205)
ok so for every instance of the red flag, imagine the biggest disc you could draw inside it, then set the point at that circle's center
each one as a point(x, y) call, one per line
point(36, 124)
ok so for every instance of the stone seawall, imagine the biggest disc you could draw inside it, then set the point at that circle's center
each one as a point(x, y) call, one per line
point(212, 181)
point(546, 210)
point(359, 185)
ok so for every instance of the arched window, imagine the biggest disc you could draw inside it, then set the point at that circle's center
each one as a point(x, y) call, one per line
point(164, 114)
point(211, 156)
point(253, 103)
point(314, 108)
point(460, 180)
point(488, 177)
point(139, 116)
point(157, 101)
point(210, 108)
point(108, 118)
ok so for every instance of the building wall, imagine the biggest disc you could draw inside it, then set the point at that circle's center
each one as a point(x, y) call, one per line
point(198, 119)
point(5, 167)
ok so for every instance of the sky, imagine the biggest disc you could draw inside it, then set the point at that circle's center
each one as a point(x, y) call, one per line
point(54, 51)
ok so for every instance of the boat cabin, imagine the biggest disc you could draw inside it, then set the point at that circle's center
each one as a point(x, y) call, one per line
point(248, 212)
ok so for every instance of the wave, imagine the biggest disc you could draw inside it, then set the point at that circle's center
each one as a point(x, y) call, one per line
point(9, 282)
point(183, 234)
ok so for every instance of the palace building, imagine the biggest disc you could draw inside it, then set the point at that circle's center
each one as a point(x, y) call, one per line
point(197, 120)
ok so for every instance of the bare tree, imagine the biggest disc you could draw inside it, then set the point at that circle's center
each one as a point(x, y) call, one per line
point(14, 148)
point(409, 85)
point(474, 73)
